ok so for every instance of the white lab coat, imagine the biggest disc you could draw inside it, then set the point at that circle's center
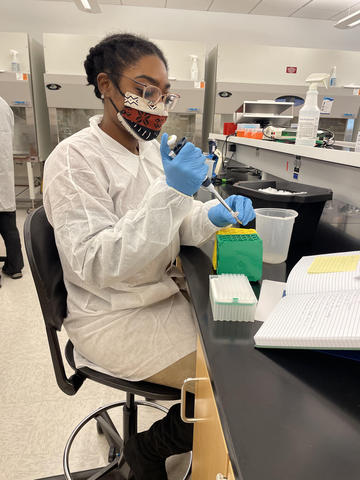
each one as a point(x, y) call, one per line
point(118, 228)
point(7, 182)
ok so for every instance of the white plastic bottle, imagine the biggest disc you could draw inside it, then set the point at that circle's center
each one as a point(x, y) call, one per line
point(194, 70)
point(15, 65)
point(332, 82)
point(309, 114)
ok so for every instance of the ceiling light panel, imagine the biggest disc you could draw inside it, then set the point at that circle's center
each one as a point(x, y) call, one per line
point(278, 8)
point(84, 5)
point(346, 12)
point(144, 3)
point(233, 6)
point(354, 24)
point(110, 2)
point(323, 9)
point(188, 4)
point(350, 21)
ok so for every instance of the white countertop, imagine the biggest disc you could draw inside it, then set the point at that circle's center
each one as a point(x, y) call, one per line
point(351, 159)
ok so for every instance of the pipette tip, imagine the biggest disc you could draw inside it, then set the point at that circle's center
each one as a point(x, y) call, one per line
point(235, 215)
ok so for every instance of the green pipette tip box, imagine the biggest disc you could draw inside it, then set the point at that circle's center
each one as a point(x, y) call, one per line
point(238, 252)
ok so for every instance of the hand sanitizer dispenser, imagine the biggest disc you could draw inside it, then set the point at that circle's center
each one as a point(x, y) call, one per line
point(309, 114)
point(194, 70)
point(15, 65)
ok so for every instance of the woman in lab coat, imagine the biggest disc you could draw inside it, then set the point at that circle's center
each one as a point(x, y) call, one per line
point(121, 207)
point(8, 229)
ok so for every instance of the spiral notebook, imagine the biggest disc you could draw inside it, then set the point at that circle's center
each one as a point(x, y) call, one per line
point(321, 308)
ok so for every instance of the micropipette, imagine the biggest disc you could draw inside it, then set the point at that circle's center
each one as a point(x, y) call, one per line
point(207, 182)
point(210, 187)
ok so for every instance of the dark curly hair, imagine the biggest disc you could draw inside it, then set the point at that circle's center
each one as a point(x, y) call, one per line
point(115, 53)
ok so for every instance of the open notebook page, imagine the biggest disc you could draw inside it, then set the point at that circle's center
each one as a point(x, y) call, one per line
point(325, 320)
point(299, 281)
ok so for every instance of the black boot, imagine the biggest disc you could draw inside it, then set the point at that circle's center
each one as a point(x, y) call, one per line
point(146, 452)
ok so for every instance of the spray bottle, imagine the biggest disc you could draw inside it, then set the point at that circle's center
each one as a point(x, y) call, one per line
point(194, 70)
point(333, 77)
point(309, 114)
point(15, 65)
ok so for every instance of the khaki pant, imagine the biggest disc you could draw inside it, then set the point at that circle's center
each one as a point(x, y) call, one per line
point(175, 374)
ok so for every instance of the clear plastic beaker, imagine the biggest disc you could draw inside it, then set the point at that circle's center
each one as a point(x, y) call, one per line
point(274, 226)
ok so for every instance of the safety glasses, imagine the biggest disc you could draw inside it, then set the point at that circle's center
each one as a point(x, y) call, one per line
point(154, 95)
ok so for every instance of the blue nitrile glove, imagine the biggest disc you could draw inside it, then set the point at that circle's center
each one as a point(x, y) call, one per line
point(187, 170)
point(221, 217)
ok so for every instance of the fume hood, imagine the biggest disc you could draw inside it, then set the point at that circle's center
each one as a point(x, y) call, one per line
point(264, 72)
point(16, 91)
point(23, 90)
point(71, 102)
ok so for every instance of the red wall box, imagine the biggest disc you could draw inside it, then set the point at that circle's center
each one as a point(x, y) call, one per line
point(229, 128)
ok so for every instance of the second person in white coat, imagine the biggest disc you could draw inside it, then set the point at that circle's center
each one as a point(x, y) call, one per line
point(8, 230)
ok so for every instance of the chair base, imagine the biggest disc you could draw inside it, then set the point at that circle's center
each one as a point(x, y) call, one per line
point(117, 468)
point(85, 474)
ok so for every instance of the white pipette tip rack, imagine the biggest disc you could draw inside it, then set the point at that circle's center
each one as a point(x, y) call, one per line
point(232, 298)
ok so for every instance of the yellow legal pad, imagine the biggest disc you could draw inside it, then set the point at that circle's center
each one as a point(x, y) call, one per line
point(337, 263)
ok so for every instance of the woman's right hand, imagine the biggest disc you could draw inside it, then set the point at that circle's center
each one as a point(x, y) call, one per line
point(186, 172)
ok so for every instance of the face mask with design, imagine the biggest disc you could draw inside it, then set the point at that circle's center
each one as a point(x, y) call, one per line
point(140, 117)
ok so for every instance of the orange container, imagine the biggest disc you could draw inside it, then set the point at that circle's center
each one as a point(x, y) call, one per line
point(240, 133)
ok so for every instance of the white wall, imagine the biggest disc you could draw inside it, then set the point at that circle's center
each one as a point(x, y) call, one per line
point(208, 27)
